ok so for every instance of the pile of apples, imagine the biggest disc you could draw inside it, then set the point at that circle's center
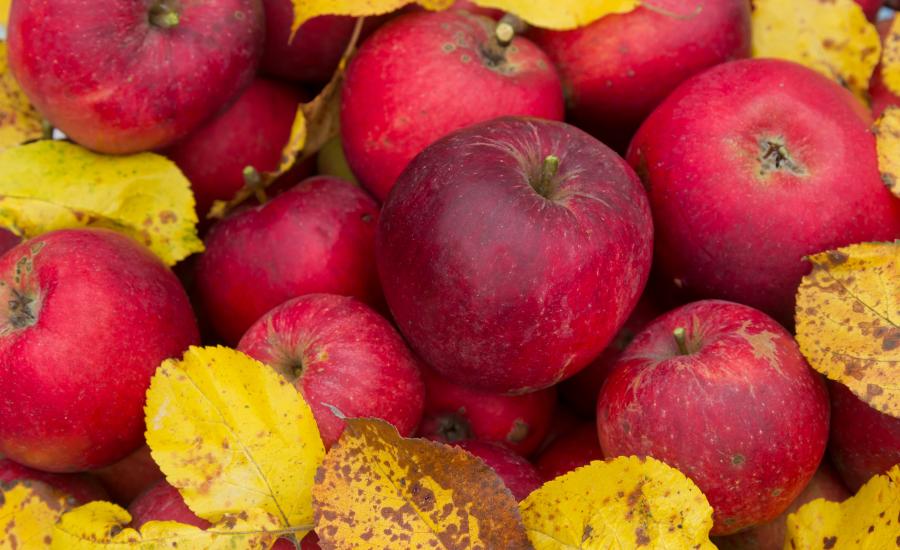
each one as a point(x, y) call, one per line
point(563, 245)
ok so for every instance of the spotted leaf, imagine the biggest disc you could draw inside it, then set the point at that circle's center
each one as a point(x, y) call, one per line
point(28, 511)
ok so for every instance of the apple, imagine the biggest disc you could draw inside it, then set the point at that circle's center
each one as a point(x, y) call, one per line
point(570, 451)
point(133, 75)
point(339, 352)
point(517, 474)
point(472, 7)
point(131, 476)
point(455, 412)
point(562, 422)
point(882, 97)
point(870, 8)
point(512, 251)
point(802, 177)
point(8, 240)
point(618, 68)
point(422, 75)
point(316, 237)
point(331, 161)
point(251, 132)
point(720, 391)
point(864, 442)
point(82, 487)
point(87, 315)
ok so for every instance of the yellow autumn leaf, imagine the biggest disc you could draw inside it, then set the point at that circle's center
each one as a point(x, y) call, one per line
point(19, 120)
point(231, 434)
point(4, 13)
point(103, 525)
point(28, 512)
point(379, 490)
point(848, 320)
point(562, 14)
point(305, 10)
point(621, 504)
point(890, 58)
point(887, 133)
point(833, 38)
point(50, 185)
point(869, 520)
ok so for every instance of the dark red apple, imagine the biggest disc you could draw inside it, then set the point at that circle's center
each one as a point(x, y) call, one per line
point(720, 391)
point(316, 237)
point(8, 240)
point(570, 451)
point(864, 442)
point(882, 97)
point(617, 69)
point(423, 75)
point(563, 421)
point(339, 352)
point(870, 8)
point(131, 75)
point(455, 412)
point(87, 316)
point(82, 487)
point(751, 166)
point(131, 476)
point(472, 7)
point(517, 474)
point(512, 251)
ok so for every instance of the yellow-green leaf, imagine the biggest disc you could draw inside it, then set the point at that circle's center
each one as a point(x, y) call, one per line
point(887, 132)
point(869, 520)
point(19, 120)
point(28, 512)
point(305, 10)
point(848, 320)
point(231, 434)
point(620, 504)
point(379, 490)
point(890, 58)
point(562, 14)
point(833, 38)
point(102, 525)
point(50, 185)
point(4, 12)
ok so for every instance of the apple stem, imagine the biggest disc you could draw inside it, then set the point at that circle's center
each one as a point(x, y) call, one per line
point(549, 168)
point(46, 129)
point(253, 181)
point(162, 15)
point(504, 33)
point(680, 340)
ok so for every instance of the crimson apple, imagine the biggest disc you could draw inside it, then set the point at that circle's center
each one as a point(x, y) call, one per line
point(512, 251)
point(802, 177)
point(472, 7)
point(563, 421)
point(339, 352)
point(8, 239)
point(131, 75)
point(423, 75)
point(720, 391)
point(88, 315)
point(131, 476)
point(618, 68)
point(870, 8)
point(517, 474)
point(316, 237)
point(864, 442)
point(455, 412)
point(570, 451)
point(82, 487)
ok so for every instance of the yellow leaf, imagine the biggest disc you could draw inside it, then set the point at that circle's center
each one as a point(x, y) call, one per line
point(833, 38)
point(848, 320)
point(887, 132)
point(4, 13)
point(51, 185)
point(19, 120)
point(561, 14)
point(305, 10)
point(890, 58)
point(624, 503)
point(867, 520)
point(99, 525)
point(231, 434)
point(379, 490)
point(28, 511)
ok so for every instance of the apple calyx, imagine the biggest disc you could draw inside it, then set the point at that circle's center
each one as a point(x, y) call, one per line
point(453, 427)
point(681, 341)
point(164, 14)
point(545, 184)
point(22, 312)
point(774, 156)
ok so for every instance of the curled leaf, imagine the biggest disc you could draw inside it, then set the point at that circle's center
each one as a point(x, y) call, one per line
point(890, 58)
point(231, 434)
point(887, 133)
point(28, 512)
point(564, 14)
point(848, 320)
point(379, 490)
point(304, 10)
point(19, 120)
point(624, 503)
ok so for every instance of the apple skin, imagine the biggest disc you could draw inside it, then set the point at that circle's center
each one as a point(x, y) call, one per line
point(423, 75)
point(617, 69)
point(117, 83)
point(741, 414)
point(454, 412)
point(870, 8)
point(316, 237)
point(250, 132)
point(492, 284)
point(82, 487)
point(129, 477)
point(517, 474)
point(348, 356)
point(87, 316)
point(864, 442)
point(882, 97)
point(743, 237)
point(8, 240)
point(569, 451)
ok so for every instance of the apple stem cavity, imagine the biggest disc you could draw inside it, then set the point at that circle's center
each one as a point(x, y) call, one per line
point(163, 14)
point(681, 341)
point(546, 185)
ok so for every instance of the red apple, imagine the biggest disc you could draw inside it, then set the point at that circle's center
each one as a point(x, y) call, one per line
point(131, 75)
point(617, 69)
point(8, 240)
point(882, 97)
point(562, 422)
point(82, 487)
point(339, 352)
point(517, 474)
point(472, 7)
point(131, 476)
point(454, 413)
point(423, 75)
point(512, 251)
point(720, 391)
point(316, 237)
point(251, 132)
point(87, 316)
point(570, 451)
point(870, 7)
point(864, 442)
point(802, 177)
